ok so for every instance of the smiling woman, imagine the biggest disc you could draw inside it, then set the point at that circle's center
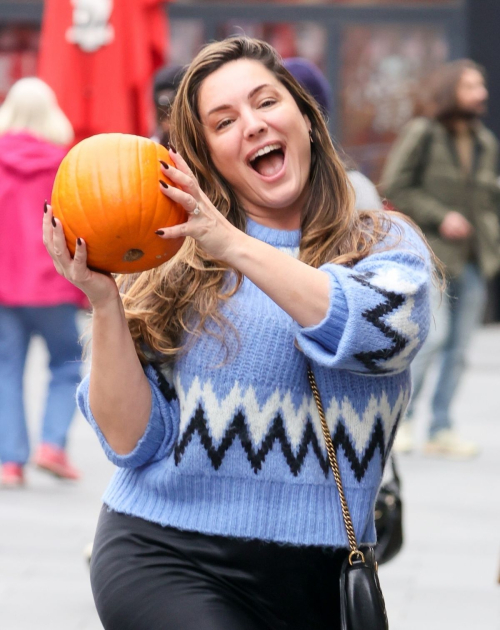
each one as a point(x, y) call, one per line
point(223, 513)
point(261, 129)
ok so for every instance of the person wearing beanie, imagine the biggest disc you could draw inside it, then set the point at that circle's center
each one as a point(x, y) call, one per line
point(314, 81)
point(165, 85)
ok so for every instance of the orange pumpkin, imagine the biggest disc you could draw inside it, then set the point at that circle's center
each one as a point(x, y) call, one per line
point(107, 192)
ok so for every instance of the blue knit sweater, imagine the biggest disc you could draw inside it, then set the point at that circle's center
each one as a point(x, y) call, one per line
point(234, 443)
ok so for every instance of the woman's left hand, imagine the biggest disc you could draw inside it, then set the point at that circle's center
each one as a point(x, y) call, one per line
point(205, 223)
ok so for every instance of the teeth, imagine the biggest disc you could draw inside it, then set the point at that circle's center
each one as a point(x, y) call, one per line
point(264, 150)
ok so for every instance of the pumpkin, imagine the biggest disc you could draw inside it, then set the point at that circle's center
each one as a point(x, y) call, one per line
point(107, 192)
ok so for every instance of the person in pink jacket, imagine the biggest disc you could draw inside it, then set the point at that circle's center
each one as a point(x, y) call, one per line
point(34, 299)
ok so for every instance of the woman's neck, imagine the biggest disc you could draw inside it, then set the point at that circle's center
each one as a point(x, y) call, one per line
point(288, 218)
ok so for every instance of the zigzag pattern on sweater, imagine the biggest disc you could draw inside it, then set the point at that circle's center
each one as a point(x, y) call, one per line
point(166, 389)
point(220, 411)
point(399, 329)
point(277, 435)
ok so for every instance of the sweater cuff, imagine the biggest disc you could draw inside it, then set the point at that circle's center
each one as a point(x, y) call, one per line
point(157, 430)
point(321, 342)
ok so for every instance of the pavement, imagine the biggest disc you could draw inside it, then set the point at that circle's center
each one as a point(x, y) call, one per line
point(445, 578)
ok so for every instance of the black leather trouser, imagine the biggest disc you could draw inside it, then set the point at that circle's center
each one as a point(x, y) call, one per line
point(148, 577)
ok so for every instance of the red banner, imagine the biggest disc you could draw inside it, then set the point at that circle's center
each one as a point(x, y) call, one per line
point(99, 56)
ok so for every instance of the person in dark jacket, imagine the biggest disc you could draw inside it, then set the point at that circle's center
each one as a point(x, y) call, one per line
point(442, 172)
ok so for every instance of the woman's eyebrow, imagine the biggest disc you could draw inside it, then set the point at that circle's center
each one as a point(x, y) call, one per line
point(250, 94)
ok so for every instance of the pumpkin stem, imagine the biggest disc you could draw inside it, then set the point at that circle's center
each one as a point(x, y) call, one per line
point(133, 254)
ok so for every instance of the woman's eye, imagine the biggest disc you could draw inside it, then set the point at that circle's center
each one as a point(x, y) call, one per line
point(268, 102)
point(223, 123)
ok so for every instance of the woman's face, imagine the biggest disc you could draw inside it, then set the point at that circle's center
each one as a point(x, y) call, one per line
point(258, 139)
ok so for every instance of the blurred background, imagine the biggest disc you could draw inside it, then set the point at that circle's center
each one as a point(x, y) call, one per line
point(375, 54)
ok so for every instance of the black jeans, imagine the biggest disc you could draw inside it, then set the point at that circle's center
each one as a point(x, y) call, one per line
point(148, 577)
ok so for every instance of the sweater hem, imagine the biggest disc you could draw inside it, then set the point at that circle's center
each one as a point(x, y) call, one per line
point(281, 512)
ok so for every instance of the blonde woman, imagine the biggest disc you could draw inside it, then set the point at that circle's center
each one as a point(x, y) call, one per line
point(34, 299)
point(223, 513)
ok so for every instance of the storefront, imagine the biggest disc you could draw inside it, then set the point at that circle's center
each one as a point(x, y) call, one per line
point(373, 52)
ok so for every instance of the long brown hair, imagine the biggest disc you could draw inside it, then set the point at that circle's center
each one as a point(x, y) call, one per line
point(185, 294)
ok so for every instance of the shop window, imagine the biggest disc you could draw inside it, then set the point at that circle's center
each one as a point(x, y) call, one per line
point(18, 55)
point(381, 70)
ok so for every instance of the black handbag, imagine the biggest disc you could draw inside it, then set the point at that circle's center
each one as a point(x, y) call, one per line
point(362, 605)
point(389, 518)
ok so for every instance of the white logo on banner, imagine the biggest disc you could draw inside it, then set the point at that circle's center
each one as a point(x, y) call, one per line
point(91, 29)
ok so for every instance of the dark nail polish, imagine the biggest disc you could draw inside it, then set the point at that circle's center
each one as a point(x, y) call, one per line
point(45, 208)
point(54, 222)
point(165, 185)
point(164, 164)
point(171, 146)
point(160, 232)
point(79, 241)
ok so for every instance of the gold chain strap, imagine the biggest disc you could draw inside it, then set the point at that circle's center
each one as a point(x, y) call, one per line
point(332, 458)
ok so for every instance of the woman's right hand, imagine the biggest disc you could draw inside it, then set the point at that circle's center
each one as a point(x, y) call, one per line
point(100, 288)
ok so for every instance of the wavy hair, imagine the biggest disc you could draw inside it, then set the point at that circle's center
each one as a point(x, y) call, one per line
point(185, 294)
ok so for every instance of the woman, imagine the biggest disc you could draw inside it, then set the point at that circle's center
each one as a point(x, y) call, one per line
point(34, 299)
point(223, 513)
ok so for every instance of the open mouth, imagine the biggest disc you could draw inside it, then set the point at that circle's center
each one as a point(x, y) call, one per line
point(268, 160)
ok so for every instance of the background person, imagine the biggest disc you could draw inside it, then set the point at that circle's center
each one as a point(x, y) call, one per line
point(442, 172)
point(165, 85)
point(216, 434)
point(34, 299)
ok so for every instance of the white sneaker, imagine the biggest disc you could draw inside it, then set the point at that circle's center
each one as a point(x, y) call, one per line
point(404, 442)
point(447, 443)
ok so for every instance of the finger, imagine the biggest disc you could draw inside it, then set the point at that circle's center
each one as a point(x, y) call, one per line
point(176, 231)
point(187, 182)
point(179, 161)
point(47, 230)
point(60, 250)
point(187, 201)
point(80, 269)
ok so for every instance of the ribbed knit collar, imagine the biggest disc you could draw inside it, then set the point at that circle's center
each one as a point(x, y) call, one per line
point(272, 236)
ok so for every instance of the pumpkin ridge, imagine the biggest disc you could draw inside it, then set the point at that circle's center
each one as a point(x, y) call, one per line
point(125, 140)
point(159, 196)
point(66, 228)
point(81, 212)
point(141, 213)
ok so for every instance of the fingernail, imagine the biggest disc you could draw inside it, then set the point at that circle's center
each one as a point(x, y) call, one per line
point(163, 184)
point(45, 207)
point(160, 232)
point(54, 222)
point(164, 164)
point(171, 146)
point(79, 241)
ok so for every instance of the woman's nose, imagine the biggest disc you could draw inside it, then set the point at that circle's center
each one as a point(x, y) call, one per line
point(254, 126)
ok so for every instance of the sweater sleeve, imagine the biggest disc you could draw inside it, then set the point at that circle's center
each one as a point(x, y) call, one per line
point(161, 431)
point(379, 314)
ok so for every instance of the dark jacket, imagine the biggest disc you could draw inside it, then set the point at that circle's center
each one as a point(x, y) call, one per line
point(423, 178)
